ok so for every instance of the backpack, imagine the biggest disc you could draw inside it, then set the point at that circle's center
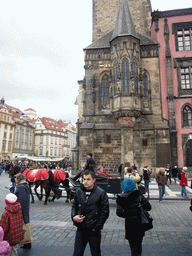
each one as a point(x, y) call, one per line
point(179, 176)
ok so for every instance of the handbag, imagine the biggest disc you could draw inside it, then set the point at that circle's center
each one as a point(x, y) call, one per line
point(146, 219)
point(142, 189)
point(27, 234)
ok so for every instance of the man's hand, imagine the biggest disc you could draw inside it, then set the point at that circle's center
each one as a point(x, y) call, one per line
point(78, 218)
point(167, 185)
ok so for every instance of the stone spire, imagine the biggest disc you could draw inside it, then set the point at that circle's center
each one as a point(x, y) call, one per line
point(124, 25)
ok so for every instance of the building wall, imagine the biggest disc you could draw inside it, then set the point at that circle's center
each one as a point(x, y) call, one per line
point(158, 35)
point(7, 127)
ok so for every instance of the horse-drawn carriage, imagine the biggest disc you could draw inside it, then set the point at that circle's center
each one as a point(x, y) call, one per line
point(59, 180)
point(106, 182)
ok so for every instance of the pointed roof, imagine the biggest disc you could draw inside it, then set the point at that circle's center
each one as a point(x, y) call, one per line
point(124, 25)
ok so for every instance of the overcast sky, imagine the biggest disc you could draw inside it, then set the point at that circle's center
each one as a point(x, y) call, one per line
point(41, 52)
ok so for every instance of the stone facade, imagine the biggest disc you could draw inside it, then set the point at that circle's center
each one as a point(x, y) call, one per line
point(120, 118)
point(105, 14)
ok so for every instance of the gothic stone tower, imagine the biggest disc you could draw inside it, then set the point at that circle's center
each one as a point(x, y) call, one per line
point(119, 103)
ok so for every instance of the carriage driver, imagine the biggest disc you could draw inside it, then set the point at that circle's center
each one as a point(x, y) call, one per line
point(89, 212)
point(90, 165)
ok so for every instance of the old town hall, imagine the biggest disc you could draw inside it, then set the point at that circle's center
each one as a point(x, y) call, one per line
point(119, 105)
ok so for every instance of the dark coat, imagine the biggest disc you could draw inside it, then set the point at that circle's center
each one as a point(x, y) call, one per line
point(130, 203)
point(23, 197)
point(95, 207)
point(90, 164)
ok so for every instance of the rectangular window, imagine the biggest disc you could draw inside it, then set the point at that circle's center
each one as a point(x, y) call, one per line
point(41, 151)
point(108, 138)
point(144, 142)
point(41, 140)
point(184, 39)
point(186, 78)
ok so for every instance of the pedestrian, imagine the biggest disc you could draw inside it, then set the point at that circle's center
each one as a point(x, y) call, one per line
point(183, 182)
point(130, 201)
point(23, 194)
point(89, 212)
point(12, 222)
point(120, 171)
point(16, 169)
point(5, 247)
point(161, 181)
point(134, 167)
point(168, 172)
point(146, 177)
point(132, 174)
point(90, 165)
point(1, 168)
point(175, 173)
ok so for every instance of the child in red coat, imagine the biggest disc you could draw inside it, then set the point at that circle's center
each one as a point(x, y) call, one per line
point(12, 222)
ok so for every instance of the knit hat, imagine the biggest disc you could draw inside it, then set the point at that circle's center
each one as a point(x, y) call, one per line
point(10, 198)
point(128, 185)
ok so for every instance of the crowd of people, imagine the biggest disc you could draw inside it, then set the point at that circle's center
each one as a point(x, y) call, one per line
point(90, 207)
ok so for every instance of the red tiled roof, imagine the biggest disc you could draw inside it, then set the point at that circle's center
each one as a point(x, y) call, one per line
point(51, 124)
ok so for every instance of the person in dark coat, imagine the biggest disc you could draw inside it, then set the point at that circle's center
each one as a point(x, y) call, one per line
point(89, 212)
point(175, 173)
point(130, 200)
point(23, 197)
point(90, 165)
point(15, 170)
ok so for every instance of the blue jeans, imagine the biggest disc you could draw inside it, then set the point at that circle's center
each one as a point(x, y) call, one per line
point(161, 192)
point(183, 191)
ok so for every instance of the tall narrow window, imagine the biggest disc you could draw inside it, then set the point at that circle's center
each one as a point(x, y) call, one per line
point(125, 76)
point(187, 116)
point(115, 71)
point(186, 78)
point(105, 91)
point(135, 72)
point(145, 91)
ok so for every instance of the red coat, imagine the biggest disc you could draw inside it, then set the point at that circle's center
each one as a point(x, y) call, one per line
point(12, 223)
point(183, 181)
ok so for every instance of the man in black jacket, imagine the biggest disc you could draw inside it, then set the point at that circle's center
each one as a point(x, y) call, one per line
point(90, 210)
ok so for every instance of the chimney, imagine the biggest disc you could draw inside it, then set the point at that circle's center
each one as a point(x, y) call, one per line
point(2, 101)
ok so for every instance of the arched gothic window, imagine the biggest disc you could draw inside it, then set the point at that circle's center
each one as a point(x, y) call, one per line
point(105, 91)
point(115, 71)
point(145, 85)
point(125, 76)
point(187, 116)
point(135, 73)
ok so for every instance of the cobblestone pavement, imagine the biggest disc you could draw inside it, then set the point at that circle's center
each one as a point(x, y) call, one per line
point(54, 232)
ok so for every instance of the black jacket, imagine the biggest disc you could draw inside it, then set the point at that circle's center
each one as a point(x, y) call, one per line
point(130, 203)
point(90, 164)
point(94, 207)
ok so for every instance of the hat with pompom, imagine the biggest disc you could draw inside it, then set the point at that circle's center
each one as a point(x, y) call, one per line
point(10, 198)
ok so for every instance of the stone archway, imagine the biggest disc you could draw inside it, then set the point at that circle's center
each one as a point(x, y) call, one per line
point(188, 153)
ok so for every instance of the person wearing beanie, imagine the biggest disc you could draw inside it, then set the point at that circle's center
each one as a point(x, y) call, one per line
point(12, 222)
point(23, 194)
point(5, 248)
point(183, 182)
point(129, 200)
